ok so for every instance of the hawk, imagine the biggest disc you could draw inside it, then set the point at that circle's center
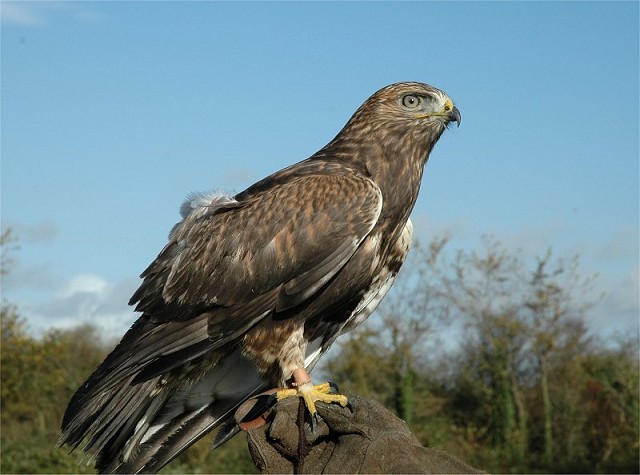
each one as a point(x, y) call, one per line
point(252, 289)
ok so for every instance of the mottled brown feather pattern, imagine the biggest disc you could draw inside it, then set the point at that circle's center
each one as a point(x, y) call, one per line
point(251, 287)
point(266, 242)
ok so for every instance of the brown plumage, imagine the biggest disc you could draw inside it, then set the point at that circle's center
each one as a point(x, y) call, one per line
point(253, 287)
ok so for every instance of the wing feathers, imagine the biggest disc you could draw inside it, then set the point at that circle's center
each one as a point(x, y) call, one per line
point(174, 421)
point(222, 271)
point(297, 234)
point(300, 288)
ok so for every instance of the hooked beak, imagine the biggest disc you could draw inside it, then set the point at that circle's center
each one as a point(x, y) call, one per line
point(454, 115)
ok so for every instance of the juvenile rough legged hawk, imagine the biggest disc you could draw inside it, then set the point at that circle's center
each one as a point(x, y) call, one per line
point(252, 289)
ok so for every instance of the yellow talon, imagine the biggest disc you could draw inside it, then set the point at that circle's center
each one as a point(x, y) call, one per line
point(312, 394)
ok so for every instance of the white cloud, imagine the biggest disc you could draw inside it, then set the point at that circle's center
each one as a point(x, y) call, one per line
point(85, 298)
point(619, 311)
point(85, 284)
point(627, 295)
point(23, 278)
point(21, 13)
point(43, 232)
point(622, 244)
point(41, 13)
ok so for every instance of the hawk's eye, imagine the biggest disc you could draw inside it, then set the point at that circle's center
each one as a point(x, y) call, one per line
point(410, 101)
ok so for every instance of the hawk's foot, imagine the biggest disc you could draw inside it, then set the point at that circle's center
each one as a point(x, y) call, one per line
point(311, 394)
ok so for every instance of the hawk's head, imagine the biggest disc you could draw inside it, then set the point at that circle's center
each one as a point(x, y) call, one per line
point(411, 115)
point(411, 104)
point(402, 119)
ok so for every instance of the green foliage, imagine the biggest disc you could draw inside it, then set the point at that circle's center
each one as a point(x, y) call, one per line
point(526, 391)
point(8, 245)
point(38, 377)
point(232, 457)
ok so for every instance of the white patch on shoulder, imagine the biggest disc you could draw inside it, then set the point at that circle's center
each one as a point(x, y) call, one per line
point(198, 204)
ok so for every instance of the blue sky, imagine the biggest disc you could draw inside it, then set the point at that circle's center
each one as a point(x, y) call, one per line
point(113, 112)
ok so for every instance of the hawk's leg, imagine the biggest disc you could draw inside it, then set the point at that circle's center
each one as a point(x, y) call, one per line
point(310, 394)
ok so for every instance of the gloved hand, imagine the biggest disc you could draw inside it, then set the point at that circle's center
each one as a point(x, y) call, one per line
point(366, 438)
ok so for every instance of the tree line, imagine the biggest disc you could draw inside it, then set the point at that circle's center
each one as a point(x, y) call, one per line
point(527, 389)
